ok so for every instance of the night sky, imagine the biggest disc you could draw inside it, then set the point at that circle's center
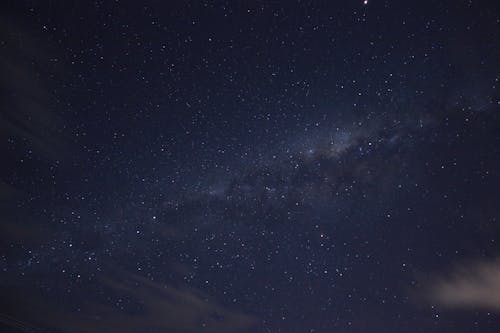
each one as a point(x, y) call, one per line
point(250, 166)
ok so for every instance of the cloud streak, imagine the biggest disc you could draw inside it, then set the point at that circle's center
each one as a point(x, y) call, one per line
point(134, 304)
point(476, 285)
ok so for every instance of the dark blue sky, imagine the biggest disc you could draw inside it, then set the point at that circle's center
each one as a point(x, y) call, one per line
point(267, 166)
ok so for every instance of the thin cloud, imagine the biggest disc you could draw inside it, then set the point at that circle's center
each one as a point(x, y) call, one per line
point(149, 307)
point(476, 285)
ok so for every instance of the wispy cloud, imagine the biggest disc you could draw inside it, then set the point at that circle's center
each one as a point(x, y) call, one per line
point(473, 285)
point(143, 306)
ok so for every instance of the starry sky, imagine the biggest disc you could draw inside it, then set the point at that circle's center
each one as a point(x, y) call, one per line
point(250, 166)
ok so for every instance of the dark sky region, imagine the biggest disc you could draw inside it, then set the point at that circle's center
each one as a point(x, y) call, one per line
point(250, 166)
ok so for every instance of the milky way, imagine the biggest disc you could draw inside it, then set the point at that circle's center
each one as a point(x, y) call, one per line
point(267, 167)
